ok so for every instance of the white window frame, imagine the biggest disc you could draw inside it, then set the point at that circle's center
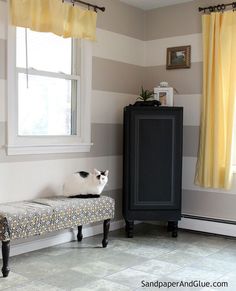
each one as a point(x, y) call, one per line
point(81, 141)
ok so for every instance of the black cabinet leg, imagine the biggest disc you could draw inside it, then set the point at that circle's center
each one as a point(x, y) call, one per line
point(175, 229)
point(5, 258)
point(170, 226)
point(129, 228)
point(80, 235)
point(106, 226)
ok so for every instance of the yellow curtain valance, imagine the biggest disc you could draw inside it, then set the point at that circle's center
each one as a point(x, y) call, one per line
point(63, 19)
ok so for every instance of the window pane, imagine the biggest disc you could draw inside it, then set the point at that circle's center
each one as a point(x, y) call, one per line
point(46, 51)
point(46, 107)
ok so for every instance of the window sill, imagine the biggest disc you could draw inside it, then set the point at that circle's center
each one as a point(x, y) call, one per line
point(47, 149)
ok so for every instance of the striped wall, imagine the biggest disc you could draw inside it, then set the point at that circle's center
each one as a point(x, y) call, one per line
point(130, 51)
point(118, 60)
point(172, 26)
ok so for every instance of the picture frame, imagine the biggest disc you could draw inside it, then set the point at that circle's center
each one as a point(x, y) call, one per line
point(178, 57)
point(165, 95)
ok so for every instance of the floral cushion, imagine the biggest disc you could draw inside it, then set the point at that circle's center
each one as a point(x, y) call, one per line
point(40, 216)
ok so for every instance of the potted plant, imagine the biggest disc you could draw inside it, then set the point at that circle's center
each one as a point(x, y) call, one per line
point(146, 97)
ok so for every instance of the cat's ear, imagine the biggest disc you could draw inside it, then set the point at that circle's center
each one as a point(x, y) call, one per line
point(106, 173)
point(96, 172)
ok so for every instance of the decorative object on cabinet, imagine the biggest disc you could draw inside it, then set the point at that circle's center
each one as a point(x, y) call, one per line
point(165, 95)
point(145, 95)
point(152, 172)
point(147, 99)
point(178, 57)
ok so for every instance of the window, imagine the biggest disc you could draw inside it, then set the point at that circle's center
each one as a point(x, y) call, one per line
point(49, 88)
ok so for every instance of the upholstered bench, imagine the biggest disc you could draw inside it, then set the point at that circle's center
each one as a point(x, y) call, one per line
point(41, 216)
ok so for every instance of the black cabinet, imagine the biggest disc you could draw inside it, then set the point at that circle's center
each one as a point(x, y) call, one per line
point(152, 173)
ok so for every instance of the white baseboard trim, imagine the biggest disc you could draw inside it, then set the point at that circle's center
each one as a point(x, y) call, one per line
point(29, 245)
point(208, 226)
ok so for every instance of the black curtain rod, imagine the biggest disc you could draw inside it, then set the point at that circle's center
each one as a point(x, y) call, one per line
point(217, 8)
point(95, 7)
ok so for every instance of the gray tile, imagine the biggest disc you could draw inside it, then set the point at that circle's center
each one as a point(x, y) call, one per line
point(172, 245)
point(226, 255)
point(78, 256)
point(124, 260)
point(179, 257)
point(57, 251)
point(229, 279)
point(190, 273)
point(98, 268)
point(103, 285)
point(216, 241)
point(121, 245)
point(38, 268)
point(210, 264)
point(69, 280)
point(156, 267)
point(12, 281)
point(147, 251)
point(131, 277)
point(35, 286)
point(201, 249)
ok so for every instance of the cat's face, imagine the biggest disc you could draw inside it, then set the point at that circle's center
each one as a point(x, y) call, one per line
point(101, 176)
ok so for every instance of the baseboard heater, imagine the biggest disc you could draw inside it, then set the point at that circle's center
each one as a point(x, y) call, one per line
point(209, 225)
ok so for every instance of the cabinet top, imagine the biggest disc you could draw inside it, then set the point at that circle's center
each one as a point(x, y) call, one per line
point(154, 108)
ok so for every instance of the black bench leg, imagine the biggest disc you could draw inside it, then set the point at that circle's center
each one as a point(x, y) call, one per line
point(80, 235)
point(106, 226)
point(5, 257)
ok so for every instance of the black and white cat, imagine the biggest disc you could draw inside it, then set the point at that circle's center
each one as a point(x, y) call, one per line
point(85, 185)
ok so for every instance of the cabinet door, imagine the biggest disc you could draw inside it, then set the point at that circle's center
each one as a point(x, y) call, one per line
point(155, 159)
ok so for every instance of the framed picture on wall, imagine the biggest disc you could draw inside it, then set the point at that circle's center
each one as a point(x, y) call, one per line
point(165, 95)
point(178, 57)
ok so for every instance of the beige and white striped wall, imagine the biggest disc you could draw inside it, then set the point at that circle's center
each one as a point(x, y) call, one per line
point(116, 80)
point(130, 51)
point(172, 26)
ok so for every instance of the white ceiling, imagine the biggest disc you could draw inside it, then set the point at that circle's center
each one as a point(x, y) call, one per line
point(152, 4)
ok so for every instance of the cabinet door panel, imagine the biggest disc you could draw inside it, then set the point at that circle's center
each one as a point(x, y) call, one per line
point(153, 161)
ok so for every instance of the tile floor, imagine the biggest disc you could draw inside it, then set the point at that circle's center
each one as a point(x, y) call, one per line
point(152, 255)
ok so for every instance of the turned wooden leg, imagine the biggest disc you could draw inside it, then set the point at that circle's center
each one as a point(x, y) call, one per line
point(129, 228)
point(80, 235)
point(5, 258)
point(175, 229)
point(106, 226)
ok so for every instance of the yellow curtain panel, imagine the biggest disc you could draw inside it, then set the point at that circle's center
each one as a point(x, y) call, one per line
point(63, 19)
point(214, 165)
